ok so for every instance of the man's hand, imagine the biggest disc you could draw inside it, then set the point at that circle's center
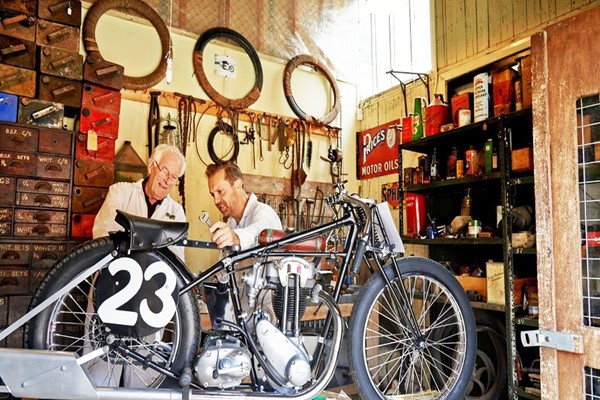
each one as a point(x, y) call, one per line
point(223, 235)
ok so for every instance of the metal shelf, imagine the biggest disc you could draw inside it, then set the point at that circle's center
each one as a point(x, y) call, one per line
point(454, 242)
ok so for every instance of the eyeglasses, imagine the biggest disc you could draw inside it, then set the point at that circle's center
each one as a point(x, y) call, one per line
point(170, 178)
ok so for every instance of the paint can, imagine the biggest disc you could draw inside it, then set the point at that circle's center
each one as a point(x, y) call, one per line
point(474, 228)
point(464, 117)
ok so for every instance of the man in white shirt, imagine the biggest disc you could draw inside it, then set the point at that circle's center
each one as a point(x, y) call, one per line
point(148, 197)
point(246, 216)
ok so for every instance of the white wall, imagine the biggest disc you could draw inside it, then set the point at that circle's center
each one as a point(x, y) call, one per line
point(133, 43)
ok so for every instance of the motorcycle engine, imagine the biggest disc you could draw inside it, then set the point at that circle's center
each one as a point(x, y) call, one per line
point(223, 364)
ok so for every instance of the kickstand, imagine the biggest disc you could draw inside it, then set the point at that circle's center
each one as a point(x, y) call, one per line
point(184, 381)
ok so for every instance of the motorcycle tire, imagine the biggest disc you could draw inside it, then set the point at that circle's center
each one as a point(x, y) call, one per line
point(387, 359)
point(71, 324)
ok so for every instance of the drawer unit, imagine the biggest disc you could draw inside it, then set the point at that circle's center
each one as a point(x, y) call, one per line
point(55, 141)
point(18, 52)
point(36, 276)
point(93, 173)
point(104, 148)
point(63, 11)
point(54, 167)
point(40, 216)
point(42, 200)
point(82, 225)
point(57, 35)
point(61, 90)
point(102, 99)
point(3, 312)
point(61, 63)
point(14, 280)
point(40, 230)
point(101, 122)
point(7, 190)
point(41, 113)
point(43, 186)
point(88, 199)
point(18, 138)
point(15, 253)
point(44, 255)
point(103, 73)
point(6, 214)
point(13, 163)
point(5, 229)
point(8, 107)
point(16, 80)
point(22, 6)
point(17, 24)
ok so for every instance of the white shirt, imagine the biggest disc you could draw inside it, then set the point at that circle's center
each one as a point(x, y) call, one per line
point(256, 217)
point(129, 197)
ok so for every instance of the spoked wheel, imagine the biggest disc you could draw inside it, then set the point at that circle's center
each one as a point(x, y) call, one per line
point(72, 324)
point(390, 360)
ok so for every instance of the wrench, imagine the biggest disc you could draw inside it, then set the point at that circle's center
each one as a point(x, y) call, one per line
point(206, 218)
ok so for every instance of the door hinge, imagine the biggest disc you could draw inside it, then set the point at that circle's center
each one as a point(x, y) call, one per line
point(563, 341)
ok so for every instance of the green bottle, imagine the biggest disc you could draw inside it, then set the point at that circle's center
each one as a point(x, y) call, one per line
point(489, 150)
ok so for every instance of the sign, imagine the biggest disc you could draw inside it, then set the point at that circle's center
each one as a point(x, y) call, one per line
point(390, 192)
point(378, 150)
point(225, 66)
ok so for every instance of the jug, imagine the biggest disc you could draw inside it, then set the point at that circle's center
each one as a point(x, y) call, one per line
point(436, 115)
point(418, 118)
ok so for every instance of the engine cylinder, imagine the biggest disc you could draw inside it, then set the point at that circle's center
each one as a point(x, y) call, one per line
point(279, 297)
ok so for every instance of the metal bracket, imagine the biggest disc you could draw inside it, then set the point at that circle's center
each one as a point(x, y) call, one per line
point(423, 77)
point(563, 341)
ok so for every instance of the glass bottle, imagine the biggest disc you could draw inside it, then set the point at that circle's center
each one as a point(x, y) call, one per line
point(451, 165)
point(434, 173)
point(465, 209)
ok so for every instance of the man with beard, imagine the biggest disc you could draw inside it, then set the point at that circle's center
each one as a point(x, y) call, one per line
point(246, 217)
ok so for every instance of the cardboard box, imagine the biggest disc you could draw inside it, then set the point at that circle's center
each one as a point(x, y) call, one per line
point(495, 284)
point(503, 90)
point(461, 101)
point(474, 283)
point(522, 159)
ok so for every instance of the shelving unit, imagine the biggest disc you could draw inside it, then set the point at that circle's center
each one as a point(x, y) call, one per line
point(502, 187)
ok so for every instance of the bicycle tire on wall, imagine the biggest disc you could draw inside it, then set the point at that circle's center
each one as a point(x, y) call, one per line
point(99, 8)
point(198, 58)
point(41, 330)
point(211, 143)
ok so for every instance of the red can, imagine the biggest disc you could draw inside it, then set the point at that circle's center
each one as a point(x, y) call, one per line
point(472, 161)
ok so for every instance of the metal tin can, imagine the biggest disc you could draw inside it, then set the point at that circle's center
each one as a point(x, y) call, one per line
point(460, 168)
point(464, 117)
point(472, 159)
point(474, 228)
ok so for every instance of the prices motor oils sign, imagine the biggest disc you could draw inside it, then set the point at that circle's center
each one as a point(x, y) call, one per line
point(378, 150)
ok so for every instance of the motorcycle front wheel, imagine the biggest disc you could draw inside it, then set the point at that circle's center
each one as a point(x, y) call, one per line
point(72, 324)
point(392, 361)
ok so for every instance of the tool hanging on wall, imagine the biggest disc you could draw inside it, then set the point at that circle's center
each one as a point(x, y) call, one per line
point(153, 122)
point(309, 147)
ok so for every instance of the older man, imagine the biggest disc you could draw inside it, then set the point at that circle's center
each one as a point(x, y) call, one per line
point(148, 197)
point(246, 216)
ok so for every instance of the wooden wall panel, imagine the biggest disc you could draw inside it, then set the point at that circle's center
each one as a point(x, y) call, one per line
point(483, 35)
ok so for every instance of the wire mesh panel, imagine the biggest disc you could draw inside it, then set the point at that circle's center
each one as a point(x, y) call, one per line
point(592, 384)
point(588, 139)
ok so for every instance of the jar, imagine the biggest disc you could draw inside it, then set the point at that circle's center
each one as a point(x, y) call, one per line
point(474, 228)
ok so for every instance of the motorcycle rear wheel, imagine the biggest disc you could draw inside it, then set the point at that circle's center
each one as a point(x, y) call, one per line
point(388, 360)
point(71, 324)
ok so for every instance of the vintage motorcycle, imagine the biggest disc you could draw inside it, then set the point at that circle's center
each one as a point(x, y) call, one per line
point(119, 317)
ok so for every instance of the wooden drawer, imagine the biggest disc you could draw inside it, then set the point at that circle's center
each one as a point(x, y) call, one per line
point(40, 230)
point(15, 253)
point(43, 200)
point(82, 225)
point(88, 200)
point(36, 276)
point(8, 107)
point(18, 52)
point(104, 73)
point(5, 229)
point(18, 138)
point(6, 214)
point(14, 280)
point(7, 190)
point(105, 148)
point(54, 167)
point(65, 12)
point(62, 90)
point(18, 24)
point(55, 141)
point(13, 163)
point(15, 80)
point(61, 63)
point(44, 255)
point(57, 35)
point(22, 6)
point(42, 186)
point(101, 122)
point(102, 99)
point(3, 312)
point(41, 113)
point(93, 173)
point(40, 216)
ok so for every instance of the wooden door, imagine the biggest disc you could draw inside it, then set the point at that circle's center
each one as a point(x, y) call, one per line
point(566, 115)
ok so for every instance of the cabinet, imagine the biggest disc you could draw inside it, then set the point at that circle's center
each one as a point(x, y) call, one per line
point(502, 278)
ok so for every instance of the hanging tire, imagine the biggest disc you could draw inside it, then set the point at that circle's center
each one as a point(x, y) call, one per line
point(230, 153)
point(388, 360)
point(72, 324)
